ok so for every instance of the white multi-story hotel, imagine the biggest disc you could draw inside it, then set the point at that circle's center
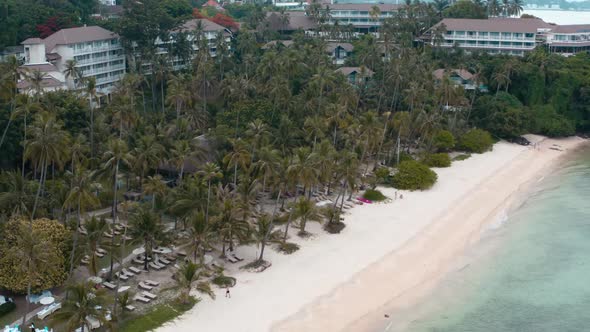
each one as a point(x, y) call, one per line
point(96, 51)
point(514, 36)
point(361, 16)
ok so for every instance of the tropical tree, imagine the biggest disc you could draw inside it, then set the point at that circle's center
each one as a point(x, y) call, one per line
point(147, 228)
point(202, 234)
point(83, 300)
point(92, 95)
point(71, 71)
point(155, 187)
point(305, 210)
point(186, 276)
point(33, 255)
point(209, 173)
point(95, 229)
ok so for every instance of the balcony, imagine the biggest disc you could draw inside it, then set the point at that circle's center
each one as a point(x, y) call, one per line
point(92, 72)
point(495, 47)
point(110, 79)
point(100, 59)
point(97, 49)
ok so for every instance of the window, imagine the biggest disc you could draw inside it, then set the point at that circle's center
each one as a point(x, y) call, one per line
point(494, 34)
point(506, 35)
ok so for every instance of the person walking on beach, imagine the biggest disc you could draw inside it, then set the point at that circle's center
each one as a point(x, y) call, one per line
point(396, 195)
point(401, 196)
point(227, 294)
point(32, 327)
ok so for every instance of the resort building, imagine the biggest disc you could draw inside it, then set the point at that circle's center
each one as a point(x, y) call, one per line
point(338, 52)
point(514, 36)
point(569, 39)
point(459, 77)
point(357, 76)
point(363, 16)
point(288, 22)
point(96, 51)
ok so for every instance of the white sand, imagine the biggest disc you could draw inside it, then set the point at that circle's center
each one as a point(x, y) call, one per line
point(386, 251)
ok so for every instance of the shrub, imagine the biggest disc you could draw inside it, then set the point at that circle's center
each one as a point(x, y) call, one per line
point(224, 281)
point(334, 227)
point(437, 160)
point(443, 140)
point(412, 175)
point(374, 195)
point(7, 307)
point(382, 173)
point(476, 140)
point(462, 156)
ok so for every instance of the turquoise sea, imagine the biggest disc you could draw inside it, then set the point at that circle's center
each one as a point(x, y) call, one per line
point(529, 274)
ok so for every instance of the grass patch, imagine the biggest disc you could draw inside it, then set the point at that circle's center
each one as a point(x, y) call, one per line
point(374, 195)
point(224, 281)
point(156, 317)
point(462, 156)
point(288, 248)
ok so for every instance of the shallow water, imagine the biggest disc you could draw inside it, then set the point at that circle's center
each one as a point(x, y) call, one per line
point(531, 274)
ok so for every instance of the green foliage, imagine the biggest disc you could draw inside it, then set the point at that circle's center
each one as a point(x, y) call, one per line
point(412, 175)
point(224, 281)
point(243, 113)
point(374, 195)
point(156, 317)
point(476, 140)
point(443, 141)
point(437, 160)
point(502, 115)
point(466, 9)
point(546, 121)
point(13, 278)
point(288, 247)
point(6, 308)
point(381, 174)
point(462, 156)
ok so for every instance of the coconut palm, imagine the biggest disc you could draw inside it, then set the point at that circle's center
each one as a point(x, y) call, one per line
point(209, 173)
point(202, 234)
point(33, 256)
point(305, 210)
point(81, 197)
point(71, 71)
point(92, 96)
point(95, 229)
point(35, 80)
point(147, 228)
point(239, 156)
point(9, 79)
point(155, 186)
point(229, 225)
point(304, 168)
point(47, 146)
point(262, 232)
point(16, 197)
point(186, 276)
point(181, 152)
point(177, 95)
point(83, 301)
point(25, 106)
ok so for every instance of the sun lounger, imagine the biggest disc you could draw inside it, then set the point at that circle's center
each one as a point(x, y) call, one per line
point(107, 234)
point(149, 295)
point(101, 250)
point(109, 285)
point(156, 266)
point(127, 272)
point(137, 261)
point(152, 283)
point(122, 276)
point(171, 258)
point(164, 261)
point(181, 253)
point(141, 299)
point(236, 257)
point(231, 259)
point(116, 232)
point(144, 286)
point(49, 310)
point(134, 270)
point(119, 227)
point(99, 254)
point(130, 308)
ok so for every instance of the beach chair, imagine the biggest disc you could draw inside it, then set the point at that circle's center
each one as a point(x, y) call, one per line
point(231, 259)
point(109, 285)
point(149, 295)
point(130, 308)
point(164, 261)
point(236, 257)
point(116, 232)
point(137, 261)
point(156, 266)
point(127, 273)
point(134, 270)
point(121, 276)
point(181, 253)
point(99, 254)
point(102, 251)
point(140, 298)
point(107, 234)
point(152, 283)
point(144, 286)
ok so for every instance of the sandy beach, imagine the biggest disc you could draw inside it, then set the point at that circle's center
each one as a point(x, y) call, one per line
point(388, 255)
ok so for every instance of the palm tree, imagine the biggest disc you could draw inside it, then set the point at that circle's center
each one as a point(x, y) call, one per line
point(181, 152)
point(186, 276)
point(155, 186)
point(33, 256)
point(202, 235)
point(83, 301)
point(25, 106)
point(147, 227)
point(47, 145)
point(71, 71)
point(304, 168)
point(17, 197)
point(515, 7)
point(240, 156)
point(306, 210)
point(148, 155)
point(209, 173)
point(262, 232)
point(35, 80)
point(92, 95)
point(115, 155)
point(177, 96)
point(95, 229)
point(82, 197)
point(9, 79)
point(230, 227)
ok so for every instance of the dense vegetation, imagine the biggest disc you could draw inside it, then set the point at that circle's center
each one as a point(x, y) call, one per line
point(234, 148)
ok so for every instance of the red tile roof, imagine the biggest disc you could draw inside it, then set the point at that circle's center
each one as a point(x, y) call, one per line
point(77, 35)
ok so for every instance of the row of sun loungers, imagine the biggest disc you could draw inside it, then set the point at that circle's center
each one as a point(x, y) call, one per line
point(145, 297)
point(232, 258)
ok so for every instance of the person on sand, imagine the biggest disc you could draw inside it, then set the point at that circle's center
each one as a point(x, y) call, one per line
point(227, 294)
point(396, 195)
point(401, 196)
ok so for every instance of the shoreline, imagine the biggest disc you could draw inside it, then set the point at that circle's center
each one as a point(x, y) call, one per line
point(427, 258)
point(335, 281)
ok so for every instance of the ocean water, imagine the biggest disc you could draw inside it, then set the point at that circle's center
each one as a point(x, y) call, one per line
point(560, 16)
point(529, 274)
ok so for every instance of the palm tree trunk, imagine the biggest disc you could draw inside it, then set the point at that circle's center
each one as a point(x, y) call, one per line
point(114, 214)
point(91, 131)
point(162, 94)
point(208, 199)
point(27, 300)
point(41, 181)
point(287, 227)
point(75, 244)
point(24, 138)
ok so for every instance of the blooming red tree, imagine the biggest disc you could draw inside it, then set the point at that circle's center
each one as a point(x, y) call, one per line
point(197, 13)
point(52, 25)
point(225, 20)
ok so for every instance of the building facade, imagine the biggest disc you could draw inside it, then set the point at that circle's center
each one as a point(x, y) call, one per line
point(514, 36)
point(96, 52)
point(361, 16)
